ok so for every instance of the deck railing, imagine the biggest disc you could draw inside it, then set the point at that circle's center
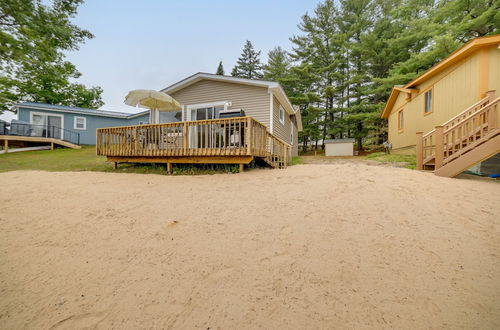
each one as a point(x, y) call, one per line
point(46, 131)
point(448, 141)
point(242, 136)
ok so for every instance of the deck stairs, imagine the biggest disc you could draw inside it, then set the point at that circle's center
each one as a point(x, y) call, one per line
point(275, 154)
point(463, 141)
point(16, 139)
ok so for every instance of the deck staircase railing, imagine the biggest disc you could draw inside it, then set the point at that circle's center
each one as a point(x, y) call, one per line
point(459, 135)
point(242, 136)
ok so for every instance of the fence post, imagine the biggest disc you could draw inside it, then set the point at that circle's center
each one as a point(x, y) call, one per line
point(439, 151)
point(420, 151)
point(492, 113)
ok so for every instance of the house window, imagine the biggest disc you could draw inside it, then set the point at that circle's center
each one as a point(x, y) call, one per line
point(80, 123)
point(428, 101)
point(291, 134)
point(400, 120)
point(282, 115)
point(142, 123)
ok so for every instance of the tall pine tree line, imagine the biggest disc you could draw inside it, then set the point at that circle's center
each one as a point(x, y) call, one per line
point(350, 53)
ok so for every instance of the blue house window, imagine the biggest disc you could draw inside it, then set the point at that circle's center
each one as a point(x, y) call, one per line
point(80, 123)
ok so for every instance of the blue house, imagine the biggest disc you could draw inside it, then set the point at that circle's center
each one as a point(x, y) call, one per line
point(83, 121)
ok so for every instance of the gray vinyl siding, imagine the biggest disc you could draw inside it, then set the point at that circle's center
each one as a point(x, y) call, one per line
point(283, 130)
point(295, 146)
point(251, 99)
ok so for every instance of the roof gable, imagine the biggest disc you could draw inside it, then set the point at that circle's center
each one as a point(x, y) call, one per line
point(210, 76)
point(463, 52)
point(270, 85)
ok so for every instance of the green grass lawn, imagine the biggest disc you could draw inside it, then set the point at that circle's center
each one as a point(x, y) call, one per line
point(297, 160)
point(409, 161)
point(85, 159)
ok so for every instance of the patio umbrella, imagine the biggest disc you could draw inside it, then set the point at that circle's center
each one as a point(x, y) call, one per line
point(154, 101)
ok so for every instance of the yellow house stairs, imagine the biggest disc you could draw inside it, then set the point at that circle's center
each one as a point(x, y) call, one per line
point(463, 141)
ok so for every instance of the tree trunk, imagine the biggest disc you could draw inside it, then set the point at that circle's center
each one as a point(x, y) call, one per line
point(360, 139)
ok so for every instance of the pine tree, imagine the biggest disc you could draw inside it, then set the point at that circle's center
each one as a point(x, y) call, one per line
point(220, 69)
point(316, 50)
point(248, 64)
point(278, 65)
point(438, 29)
point(357, 21)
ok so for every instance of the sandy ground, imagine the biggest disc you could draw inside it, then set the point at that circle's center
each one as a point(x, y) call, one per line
point(345, 246)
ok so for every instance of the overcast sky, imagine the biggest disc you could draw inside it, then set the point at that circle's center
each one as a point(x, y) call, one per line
point(151, 44)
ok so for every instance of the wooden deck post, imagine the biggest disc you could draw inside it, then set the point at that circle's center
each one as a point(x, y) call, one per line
point(116, 165)
point(491, 95)
point(420, 151)
point(169, 168)
point(492, 114)
point(242, 168)
point(51, 145)
point(439, 150)
point(6, 145)
point(249, 136)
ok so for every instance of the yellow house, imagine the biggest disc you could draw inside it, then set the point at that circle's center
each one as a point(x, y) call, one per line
point(449, 106)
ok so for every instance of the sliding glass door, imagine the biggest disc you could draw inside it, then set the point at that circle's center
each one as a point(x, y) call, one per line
point(206, 113)
point(204, 135)
point(45, 125)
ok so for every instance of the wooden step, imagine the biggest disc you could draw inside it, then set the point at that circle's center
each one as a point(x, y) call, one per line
point(475, 155)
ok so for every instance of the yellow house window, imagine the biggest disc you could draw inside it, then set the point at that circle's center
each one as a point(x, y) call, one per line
point(428, 101)
point(400, 120)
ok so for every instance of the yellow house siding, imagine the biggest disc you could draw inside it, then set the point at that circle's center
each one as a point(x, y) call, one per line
point(494, 76)
point(251, 99)
point(494, 73)
point(454, 90)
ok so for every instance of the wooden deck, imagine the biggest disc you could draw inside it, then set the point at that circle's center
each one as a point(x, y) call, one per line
point(226, 141)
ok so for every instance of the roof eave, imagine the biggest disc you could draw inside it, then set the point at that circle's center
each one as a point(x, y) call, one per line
point(454, 57)
point(390, 103)
point(132, 115)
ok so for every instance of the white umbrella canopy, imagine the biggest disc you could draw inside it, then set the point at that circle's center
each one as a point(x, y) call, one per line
point(153, 100)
